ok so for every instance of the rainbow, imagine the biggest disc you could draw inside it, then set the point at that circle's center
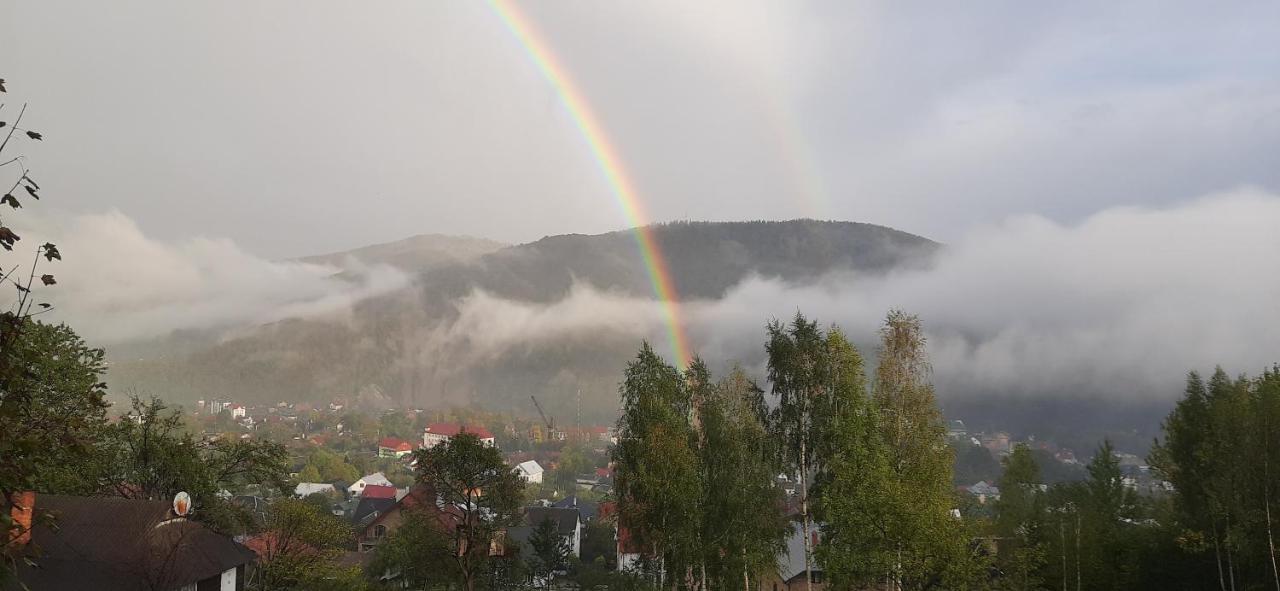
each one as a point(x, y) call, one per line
point(606, 156)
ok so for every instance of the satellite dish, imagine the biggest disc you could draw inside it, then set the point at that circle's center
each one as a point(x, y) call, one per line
point(182, 504)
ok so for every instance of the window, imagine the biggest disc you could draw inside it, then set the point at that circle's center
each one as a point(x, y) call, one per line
point(379, 531)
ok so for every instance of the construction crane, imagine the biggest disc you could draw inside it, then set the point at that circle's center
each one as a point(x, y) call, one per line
point(551, 424)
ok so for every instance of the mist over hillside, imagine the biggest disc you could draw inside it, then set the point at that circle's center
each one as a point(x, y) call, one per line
point(1077, 330)
point(416, 253)
point(461, 332)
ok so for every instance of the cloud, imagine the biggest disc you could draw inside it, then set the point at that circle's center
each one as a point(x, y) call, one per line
point(430, 117)
point(1120, 304)
point(116, 284)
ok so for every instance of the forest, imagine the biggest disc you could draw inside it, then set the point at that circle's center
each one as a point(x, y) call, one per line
point(697, 457)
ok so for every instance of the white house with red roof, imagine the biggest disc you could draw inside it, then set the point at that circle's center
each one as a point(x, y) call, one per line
point(392, 447)
point(375, 479)
point(437, 433)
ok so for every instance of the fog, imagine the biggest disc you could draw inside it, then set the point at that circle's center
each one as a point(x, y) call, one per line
point(116, 284)
point(1121, 304)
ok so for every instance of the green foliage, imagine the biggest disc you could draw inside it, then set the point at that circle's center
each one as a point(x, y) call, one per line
point(886, 501)
point(656, 475)
point(1219, 451)
point(742, 530)
point(598, 544)
point(973, 463)
point(51, 409)
point(325, 466)
point(481, 497)
point(550, 551)
point(149, 454)
point(301, 544)
point(572, 462)
point(1019, 519)
point(419, 552)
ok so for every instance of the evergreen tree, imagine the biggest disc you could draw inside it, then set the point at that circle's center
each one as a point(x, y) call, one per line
point(550, 551)
point(1019, 521)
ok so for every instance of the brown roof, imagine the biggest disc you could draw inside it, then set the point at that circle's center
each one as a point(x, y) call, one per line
point(114, 544)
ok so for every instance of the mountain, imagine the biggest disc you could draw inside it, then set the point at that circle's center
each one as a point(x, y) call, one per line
point(481, 323)
point(416, 253)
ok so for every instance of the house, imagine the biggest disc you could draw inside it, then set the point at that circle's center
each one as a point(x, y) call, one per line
point(357, 487)
point(391, 447)
point(790, 575)
point(376, 529)
point(997, 443)
point(598, 434)
point(587, 510)
point(531, 471)
point(437, 433)
point(116, 544)
point(306, 489)
point(237, 411)
point(629, 552)
point(366, 510)
point(380, 491)
point(984, 491)
point(568, 523)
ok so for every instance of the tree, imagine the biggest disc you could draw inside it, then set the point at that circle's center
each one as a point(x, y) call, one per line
point(326, 466)
point(572, 462)
point(599, 545)
point(44, 418)
point(550, 551)
point(798, 372)
point(480, 495)
point(742, 530)
point(298, 549)
point(1218, 451)
point(148, 454)
point(887, 502)
point(656, 474)
point(1019, 520)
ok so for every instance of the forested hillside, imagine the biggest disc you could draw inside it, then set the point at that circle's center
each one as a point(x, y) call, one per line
point(404, 348)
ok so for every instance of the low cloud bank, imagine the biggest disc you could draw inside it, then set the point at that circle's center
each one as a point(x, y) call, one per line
point(117, 284)
point(1120, 304)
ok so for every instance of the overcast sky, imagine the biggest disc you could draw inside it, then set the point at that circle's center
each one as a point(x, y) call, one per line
point(294, 128)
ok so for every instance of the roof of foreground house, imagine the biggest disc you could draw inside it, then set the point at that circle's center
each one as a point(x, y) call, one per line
point(115, 544)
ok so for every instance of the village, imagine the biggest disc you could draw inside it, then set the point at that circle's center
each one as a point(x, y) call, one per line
point(360, 467)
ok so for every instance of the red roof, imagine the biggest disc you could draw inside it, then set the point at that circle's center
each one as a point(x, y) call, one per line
point(379, 491)
point(396, 444)
point(451, 429)
point(604, 472)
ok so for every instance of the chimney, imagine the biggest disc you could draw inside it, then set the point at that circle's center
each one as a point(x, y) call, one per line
point(22, 506)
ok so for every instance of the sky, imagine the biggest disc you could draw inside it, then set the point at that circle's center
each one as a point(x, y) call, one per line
point(288, 128)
